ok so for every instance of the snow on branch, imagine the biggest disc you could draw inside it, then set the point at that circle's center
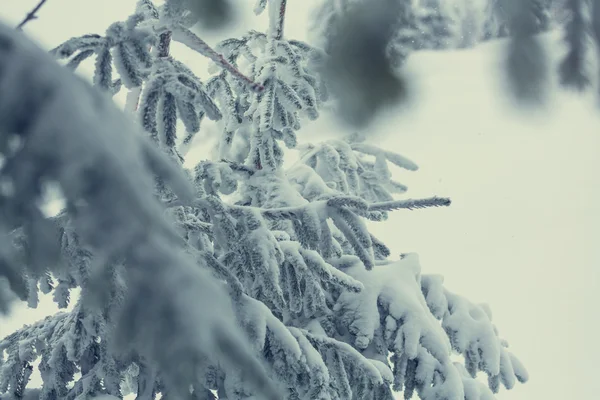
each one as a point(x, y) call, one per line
point(472, 334)
point(394, 158)
point(354, 359)
point(357, 204)
point(276, 18)
point(410, 204)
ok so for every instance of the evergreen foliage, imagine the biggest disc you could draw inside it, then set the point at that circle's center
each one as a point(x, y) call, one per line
point(170, 273)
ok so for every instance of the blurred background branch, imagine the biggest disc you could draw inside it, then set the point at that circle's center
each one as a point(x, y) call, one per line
point(31, 15)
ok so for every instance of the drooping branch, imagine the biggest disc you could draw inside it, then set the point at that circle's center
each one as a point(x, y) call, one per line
point(31, 15)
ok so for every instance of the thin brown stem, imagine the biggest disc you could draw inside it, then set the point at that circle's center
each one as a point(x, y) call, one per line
point(189, 39)
point(31, 15)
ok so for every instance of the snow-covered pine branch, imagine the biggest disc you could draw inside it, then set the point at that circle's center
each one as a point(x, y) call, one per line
point(171, 90)
point(291, 89)
point(410, 204)
point(473, 335)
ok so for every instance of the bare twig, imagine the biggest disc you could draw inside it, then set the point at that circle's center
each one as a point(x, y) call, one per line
point(31, 15)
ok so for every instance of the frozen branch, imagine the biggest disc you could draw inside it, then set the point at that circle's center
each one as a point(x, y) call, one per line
point(31, 15)
point(344, 201)
point(277, 18)
point(410, 204)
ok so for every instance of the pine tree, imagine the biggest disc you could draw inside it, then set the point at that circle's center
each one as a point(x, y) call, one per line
point(527, 59)
point(407, 37)
point(541, 10)
point(498, 24)
point(314, 293)
point(438, 28)
point(432, 24)
point(573, 70)
point(495, 23)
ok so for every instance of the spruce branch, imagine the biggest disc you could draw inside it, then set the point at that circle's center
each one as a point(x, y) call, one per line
point(195, 225)
point(350, 353)
point(235, 166)
point(31, 15)
point(221, 272)
point(410, 204)
point(394, 158)
point(353, 203)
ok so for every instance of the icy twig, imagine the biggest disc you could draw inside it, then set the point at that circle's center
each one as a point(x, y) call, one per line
point(277, 18)
point(410, 204)
point(31, 15)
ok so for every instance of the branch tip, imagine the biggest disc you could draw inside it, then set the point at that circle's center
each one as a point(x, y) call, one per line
point(31, 15)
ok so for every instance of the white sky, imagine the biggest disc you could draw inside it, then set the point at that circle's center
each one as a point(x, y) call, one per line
point(524, 226)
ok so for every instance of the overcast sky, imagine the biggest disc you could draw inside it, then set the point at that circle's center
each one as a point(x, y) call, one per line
point(523, 231)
